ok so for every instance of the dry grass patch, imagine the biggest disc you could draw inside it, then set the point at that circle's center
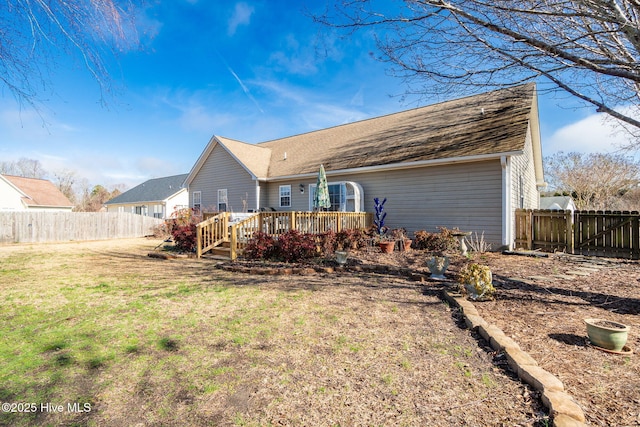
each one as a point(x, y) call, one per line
point(148, 341)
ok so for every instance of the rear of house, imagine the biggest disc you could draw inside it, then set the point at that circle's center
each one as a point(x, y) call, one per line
point(467, 163)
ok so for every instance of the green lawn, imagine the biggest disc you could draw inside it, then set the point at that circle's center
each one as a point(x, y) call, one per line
point(117, 338)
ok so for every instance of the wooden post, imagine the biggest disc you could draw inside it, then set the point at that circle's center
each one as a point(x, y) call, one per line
point(569, 231)
point(292, 220)
point(199, 241)
point(529, 222)
point(233, 253)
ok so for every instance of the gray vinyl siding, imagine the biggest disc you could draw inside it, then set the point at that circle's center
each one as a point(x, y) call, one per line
point(526, 195)
point(221, 171)
point(465, 195)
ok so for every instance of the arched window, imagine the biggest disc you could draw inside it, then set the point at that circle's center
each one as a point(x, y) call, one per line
point(345, 196)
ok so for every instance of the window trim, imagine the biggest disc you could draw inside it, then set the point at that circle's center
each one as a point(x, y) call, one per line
point(282, 196)
point(224, 200)
point(196, 206)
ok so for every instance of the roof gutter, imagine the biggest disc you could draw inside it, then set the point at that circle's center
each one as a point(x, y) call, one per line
point(401, 166)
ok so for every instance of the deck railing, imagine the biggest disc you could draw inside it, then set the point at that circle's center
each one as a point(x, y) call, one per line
point(278, 223)
point(211, 232)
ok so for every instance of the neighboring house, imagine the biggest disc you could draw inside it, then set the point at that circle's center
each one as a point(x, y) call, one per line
point(158, 198)
point(30, 194)
point(466, 163)
point(564, 203)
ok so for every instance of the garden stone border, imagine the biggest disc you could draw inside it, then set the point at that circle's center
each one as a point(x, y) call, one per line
point(563, 409)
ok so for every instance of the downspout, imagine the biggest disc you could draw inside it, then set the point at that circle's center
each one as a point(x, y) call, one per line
point(257, 196)
point(507, 220)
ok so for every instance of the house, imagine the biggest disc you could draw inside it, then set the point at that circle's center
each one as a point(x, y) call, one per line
point(158, 198)
point(467, 163)
point(31, 194)
point(558, 203)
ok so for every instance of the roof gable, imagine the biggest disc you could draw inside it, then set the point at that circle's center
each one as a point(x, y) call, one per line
point(153, 190)
point(39, 192)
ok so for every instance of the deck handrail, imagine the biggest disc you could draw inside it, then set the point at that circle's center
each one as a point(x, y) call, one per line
point(279, 222)
point(211, 232)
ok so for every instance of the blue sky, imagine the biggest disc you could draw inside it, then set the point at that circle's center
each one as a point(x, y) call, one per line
point(251, 71)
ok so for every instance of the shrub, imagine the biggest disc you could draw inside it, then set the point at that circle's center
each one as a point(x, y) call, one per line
point(260, 246)
point(327, 242)
point(185, 237)
point(182, 227)
point(294, 246)
point(435, 242)
point(350, 238)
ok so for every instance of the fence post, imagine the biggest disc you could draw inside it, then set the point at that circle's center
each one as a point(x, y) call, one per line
point(569, 231)
point(528, 220)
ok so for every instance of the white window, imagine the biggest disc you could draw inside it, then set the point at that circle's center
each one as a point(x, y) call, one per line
point(285, 196)
point(344, 196)
point(197, 201)
point(222, 200)
point(158, 211)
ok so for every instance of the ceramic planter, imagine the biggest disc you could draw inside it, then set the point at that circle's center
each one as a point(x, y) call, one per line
point(407, 244)
point(437, 266)
point(606, 334)
point(387, 247)
point(341, 257)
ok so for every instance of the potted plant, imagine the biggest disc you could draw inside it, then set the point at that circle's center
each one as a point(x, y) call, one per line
point(607, 335)
point(384, 241)
point(400, 234)
point(477, 281)
point(437, 265)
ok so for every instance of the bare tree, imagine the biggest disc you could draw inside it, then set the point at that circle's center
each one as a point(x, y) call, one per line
point(588, 48)
point(33, 33)
point(28, 168)
point(65, 179)
point(595, 181)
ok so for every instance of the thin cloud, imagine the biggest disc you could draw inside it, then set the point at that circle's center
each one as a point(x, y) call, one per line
point(241, 16)
point(592, 134)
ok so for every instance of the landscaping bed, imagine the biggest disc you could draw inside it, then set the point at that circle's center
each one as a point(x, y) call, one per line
point(541, 302)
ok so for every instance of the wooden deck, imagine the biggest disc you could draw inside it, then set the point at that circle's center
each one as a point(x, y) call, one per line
point(218, 234)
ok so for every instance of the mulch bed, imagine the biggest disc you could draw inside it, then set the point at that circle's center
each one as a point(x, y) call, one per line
point(540, 302)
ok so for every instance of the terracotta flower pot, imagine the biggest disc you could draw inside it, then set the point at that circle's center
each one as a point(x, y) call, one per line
point(387, 247)
point(407, 244)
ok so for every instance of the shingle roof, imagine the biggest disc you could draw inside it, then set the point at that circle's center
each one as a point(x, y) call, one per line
point(490, 123)
point(153, 190)
point(39, 192)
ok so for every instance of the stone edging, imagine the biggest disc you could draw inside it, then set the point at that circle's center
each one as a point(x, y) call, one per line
point(564, 410)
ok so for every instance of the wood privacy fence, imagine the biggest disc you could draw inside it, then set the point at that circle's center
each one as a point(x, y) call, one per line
point(594, 233)
point(42, 226)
